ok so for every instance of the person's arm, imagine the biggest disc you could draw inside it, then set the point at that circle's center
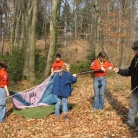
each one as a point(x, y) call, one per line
point(73, 78)
point(125, 72)
point(5, 82)
point(52, 72)
point(94, 66)
point(6, 89)
point(57, 70)
point(110, 66)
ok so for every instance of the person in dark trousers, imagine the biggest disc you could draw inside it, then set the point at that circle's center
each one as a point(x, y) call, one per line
point(99, 67)
point(4, 83)
point(62, 88)
point(132, 71)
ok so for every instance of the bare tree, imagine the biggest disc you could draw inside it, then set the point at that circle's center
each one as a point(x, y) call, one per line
point(30, 15)
point(52, 36)
point(97, 11)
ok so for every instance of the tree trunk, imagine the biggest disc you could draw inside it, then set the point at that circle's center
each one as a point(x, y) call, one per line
point(65, 25)
point(76, 20)
point(122, 60)
point(52, 37)
point(33, 40)
point(30, 18)
point(13, 26)
point(97, 43)
point(26, 24)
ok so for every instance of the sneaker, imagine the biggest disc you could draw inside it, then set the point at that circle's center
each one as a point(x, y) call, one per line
point(131, 126)
point(65, 117)
point(2, 121)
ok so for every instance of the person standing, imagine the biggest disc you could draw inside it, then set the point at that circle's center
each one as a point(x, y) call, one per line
point(57, 65)
point(99, 67)
point(62, 88)
point(4, 83)
point(132, 71)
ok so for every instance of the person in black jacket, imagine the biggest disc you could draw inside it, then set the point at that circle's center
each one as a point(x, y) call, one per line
point(133, 72)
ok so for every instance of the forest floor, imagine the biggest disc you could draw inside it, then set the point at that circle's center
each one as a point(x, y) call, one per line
point(83, 122)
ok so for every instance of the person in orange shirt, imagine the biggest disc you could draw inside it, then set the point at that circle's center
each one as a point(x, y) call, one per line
point(4, 83)
point(57, 65)
point(99, 67)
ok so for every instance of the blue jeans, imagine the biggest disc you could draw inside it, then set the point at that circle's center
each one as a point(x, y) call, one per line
point(2, 104)
point(64, 105)
point(99, 90)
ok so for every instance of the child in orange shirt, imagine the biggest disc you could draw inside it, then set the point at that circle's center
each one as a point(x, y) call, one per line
point(100, 67)
point(57, 65)
point(4, 83)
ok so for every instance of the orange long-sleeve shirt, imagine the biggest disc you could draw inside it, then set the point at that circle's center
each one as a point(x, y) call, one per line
point(57, 65)
point(96, 67)
point(4, 79)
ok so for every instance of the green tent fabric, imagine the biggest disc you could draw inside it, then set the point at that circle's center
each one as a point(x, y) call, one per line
point(38, 112)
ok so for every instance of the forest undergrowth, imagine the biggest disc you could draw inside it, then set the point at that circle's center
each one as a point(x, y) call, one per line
point(83, 121)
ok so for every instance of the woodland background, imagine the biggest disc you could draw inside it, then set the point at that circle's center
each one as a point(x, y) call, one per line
point(33, 31)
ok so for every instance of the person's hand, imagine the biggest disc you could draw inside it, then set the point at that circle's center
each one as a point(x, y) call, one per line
point(74, 75)
point(52, 74)
point(8, 94)
point(103, 69)
point(116, 70)
point(109, 68)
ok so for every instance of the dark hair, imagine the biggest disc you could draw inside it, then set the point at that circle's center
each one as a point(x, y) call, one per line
point(135, 45)
point(101, 54)
point(58, 55)
point(4, 64)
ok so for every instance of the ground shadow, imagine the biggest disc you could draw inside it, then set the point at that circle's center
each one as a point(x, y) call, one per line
point(70, 106)
point(9, 112)
point(120, 109)
point(90, 99)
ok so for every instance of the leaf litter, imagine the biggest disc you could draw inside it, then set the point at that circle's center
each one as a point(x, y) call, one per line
point(83, 121)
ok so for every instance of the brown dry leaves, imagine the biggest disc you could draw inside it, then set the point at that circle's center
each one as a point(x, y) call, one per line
point(83, 122)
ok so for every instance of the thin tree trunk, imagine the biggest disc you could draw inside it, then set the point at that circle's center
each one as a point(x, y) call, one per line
point(26, 25)
point(33, 40)
point(122, 60)
point(13, 26)
point(76, 20)
point(52, 47)
point(65, 25)
point(5, 19)
point(97, 43)
point(45, 24)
